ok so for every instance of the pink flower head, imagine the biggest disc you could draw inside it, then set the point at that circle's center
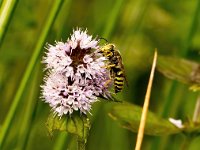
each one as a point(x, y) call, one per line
point(77, 74)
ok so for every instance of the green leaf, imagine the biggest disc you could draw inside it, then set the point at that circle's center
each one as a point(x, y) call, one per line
point(76, 124)
point(180, 69)
point(192, 129)
point(129, 117)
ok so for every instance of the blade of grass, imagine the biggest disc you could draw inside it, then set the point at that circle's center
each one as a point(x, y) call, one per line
point(9, 118)
point(6, 11)
point(30, 109)
point(146, 105)
point(60, 25)
point(141, 8)
point(192, 30)
point(175, 86)
point(112, 18)
point(196, 115)
point(60, 141)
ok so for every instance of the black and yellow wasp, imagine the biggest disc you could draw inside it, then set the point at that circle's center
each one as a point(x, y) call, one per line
point(115, 65)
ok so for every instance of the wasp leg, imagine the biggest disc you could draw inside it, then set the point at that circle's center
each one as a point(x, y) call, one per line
point(110, 66)
point(107, 83)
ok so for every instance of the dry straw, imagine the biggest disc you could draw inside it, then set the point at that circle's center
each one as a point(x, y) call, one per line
point(145, 106)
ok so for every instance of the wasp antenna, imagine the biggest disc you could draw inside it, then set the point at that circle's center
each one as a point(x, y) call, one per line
point(101, 38)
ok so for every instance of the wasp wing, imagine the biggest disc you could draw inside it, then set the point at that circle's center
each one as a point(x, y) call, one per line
point(108, 96)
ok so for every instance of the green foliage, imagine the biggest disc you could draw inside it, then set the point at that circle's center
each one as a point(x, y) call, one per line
point(180, 69)
point(192, 129)
point(76, 124)
point(129, 116)
point(136, 28)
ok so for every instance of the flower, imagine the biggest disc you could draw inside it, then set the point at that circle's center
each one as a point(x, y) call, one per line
point(177, 123)
point(77, 74)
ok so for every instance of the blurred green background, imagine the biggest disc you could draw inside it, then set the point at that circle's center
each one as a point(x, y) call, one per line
point(136, 27)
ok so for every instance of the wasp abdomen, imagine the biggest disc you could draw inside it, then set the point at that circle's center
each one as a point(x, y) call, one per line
point(119, 84)
point(119, 81)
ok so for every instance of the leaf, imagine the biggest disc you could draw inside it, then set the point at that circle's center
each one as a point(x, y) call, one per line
point(76, 124)
point(192, 129)
point(129, 117)
point(180, 69)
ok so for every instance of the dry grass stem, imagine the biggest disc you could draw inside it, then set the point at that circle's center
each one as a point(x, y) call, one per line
point(145, 106)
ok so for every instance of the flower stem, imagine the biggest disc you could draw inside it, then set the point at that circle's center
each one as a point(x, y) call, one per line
point(186, 143)
point(196, 116)
point(81, 144)
point(31, 65)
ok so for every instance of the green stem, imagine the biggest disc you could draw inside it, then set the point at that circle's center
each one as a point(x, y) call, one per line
point(186, 143)
point(81, 144)
point(60, 141)
point(30, 109)
point(6, 11)
point(192, 30)
point(196, 116)
point(31, 65)
point(112, 18)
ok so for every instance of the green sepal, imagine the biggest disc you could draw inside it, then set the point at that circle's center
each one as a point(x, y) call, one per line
point(77, 124)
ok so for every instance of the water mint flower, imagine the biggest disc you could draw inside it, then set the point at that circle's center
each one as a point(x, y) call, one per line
point(178, 123)
point(77, 75)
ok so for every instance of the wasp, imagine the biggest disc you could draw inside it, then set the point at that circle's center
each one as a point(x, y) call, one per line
point(115, 65)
